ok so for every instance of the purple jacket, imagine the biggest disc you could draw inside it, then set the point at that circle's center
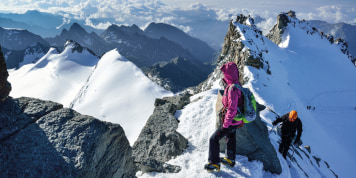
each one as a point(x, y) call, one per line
point(232, 98)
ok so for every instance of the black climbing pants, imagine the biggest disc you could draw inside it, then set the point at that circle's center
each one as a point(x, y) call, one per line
point(284, 145)
point(214, 146)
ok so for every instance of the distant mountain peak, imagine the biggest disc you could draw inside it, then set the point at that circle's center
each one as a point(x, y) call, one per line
point(125, 29)
point(199, 49)
point(77, 28)
point(33, 12)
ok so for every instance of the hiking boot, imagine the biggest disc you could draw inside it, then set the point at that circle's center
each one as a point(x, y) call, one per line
point(212, 167)
point(228, 162)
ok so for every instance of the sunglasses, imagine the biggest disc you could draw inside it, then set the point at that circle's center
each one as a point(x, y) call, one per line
point(292, 119)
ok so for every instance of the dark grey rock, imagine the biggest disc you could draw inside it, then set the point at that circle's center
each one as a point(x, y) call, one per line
point(43, 139)
point(152, 165)
point(5, 86)
point(159, 141)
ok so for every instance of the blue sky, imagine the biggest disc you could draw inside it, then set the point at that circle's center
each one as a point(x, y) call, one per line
point(140, 12)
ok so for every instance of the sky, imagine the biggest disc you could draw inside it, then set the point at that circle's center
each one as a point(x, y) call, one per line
point(167, 11)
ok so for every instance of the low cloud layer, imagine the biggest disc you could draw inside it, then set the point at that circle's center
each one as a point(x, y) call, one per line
point(142, 12)
point(332, 14)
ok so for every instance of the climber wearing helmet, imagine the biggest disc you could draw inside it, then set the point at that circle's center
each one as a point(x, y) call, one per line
point(290, 124)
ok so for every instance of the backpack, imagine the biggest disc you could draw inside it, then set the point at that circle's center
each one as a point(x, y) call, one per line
point(249, 109)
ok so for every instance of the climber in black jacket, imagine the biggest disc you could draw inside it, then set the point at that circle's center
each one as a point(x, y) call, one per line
point(290, 124)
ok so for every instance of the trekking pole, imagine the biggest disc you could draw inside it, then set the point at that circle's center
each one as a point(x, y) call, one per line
point(276, 115)
point(271, 130)
point(273, 112)
point(292, 155)
point(293, 150)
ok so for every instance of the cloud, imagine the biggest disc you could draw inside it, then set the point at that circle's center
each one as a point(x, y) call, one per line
point(331, 14)
point(266, 26)
point(142, 12)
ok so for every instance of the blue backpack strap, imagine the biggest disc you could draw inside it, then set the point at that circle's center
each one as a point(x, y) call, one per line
point(238, 87)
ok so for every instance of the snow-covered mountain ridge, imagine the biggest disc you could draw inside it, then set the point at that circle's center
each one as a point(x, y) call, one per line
point(305, 69)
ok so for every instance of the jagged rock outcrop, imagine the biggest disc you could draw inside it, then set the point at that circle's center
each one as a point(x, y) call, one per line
point(236, 48)
point(42, 139)
point(76, 47)
point(252, 140)
point(278, 29)
point(159, 141)
point(5, 86)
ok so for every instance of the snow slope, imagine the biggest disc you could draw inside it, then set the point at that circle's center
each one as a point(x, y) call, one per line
point(56, 76)
point(309, 71)
point(119, 92)
point(112, 89)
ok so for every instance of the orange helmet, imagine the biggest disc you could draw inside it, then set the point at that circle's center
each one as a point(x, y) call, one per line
point(293, 115)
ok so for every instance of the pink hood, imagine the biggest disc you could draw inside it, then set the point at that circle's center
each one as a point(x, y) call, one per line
point(232, 96)
point(231, 73)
